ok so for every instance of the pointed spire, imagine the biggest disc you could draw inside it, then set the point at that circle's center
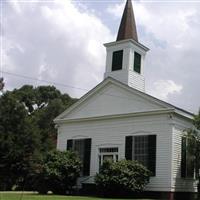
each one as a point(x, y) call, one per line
point(127, 29)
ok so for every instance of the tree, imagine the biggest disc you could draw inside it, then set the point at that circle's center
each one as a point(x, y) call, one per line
point(43, 104)
point(58, 172)
point(19, 141)
point(197, 147)
point(1, 83)
point(27, 131)
point(193, 135)
point(197, 121)
point(122, 177)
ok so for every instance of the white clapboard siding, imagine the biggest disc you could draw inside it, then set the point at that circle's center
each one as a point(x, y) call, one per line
point(136, 81)
point(112, 132)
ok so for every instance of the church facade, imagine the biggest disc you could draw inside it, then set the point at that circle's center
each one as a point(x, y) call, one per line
point(118, 120)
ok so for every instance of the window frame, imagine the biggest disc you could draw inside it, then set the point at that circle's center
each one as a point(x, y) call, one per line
point(152, 150)
point(137, 63)
point(185, 161)
point(117, 60)
point(86, 158)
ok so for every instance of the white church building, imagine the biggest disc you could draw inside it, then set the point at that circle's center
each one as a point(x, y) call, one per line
point(118, 120)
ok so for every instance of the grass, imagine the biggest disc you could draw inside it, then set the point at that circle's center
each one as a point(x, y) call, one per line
point(31, 196)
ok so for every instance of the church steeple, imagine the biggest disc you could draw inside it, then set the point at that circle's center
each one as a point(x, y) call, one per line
point(125, 57)
point(127, 29)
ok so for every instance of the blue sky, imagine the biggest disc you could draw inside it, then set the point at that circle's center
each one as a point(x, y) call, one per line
point(62, 42)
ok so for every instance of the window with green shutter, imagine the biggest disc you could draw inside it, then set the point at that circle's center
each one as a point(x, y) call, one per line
point(83, 149)
point(183, 157)
point(117, 60)
point(137, 62)
point(143, 149)
point(187, 158)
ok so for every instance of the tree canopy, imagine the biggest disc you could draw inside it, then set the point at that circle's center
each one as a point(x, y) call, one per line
point(193, 136)
point(197, 121)
point(27, 130)
point(197, 147)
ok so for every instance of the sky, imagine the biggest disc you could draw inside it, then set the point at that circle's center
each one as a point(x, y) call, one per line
point(60, 43)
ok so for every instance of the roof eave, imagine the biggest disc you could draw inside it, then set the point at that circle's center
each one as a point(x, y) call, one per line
point(136, 114)
point(126, 41)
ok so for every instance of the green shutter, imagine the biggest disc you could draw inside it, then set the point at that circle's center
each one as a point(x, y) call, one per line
point(87, 157)
point(69, 144)
point(190, 161)
point(117, 60)
point(137, 62)
point(183, 157)
point(152, 154)
point(128, 147)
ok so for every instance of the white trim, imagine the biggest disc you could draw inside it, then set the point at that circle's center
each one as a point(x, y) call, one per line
point(141, 132)
point(125, 41)
point(104, 145)
point(136, 114)
point(126, 87)
point(80, 137)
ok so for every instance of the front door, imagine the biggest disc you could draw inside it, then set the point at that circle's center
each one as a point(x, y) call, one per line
point(108, 153)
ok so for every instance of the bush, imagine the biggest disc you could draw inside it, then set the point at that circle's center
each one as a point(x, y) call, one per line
point(119, 178)
point(58, 172)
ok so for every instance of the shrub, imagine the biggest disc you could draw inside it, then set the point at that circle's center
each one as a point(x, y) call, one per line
point(58, 172)
point(121, 177)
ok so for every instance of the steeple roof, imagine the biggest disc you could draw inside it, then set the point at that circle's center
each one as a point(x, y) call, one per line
point(127, 29)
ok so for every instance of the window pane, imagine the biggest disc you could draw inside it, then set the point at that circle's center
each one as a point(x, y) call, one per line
point(79, 148)
point(137, 62)
point(187, 158)
point(112, 149)
point(108, 157)
point(140, 150)
point(183, 157)
point(117, 60)
point(190, 158)
point(144, 151)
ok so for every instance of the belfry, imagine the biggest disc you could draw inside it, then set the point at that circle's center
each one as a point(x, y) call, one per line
point(125, 57)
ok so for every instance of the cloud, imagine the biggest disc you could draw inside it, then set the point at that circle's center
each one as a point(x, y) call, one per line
point(116, 10)
point(164, 88)
point(61, 41)
point(54, 41)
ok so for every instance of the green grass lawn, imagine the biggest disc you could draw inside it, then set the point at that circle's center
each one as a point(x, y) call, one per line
point(29, 196)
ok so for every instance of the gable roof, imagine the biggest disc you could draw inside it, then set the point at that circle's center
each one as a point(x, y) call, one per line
point(101, 95)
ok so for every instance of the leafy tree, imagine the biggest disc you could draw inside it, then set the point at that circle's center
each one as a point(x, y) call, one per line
point(1, 83)
point(27, 131)
point(122, 177)
point(193, 136)
point(43, 104)
point(19, 141)
point(58, 172)
point(197, 147)
point(197, 121)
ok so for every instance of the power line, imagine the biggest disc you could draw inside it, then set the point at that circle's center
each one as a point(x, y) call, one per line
point(60, 84)
point(42, 80)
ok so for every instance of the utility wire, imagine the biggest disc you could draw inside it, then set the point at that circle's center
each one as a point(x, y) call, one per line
point(63, 85)
point(42, 80)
